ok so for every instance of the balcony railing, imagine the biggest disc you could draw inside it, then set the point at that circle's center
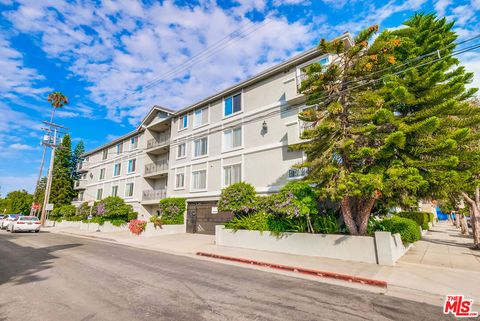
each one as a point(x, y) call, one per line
point(81, 183)
point(156, 167)
point(82, 166)
point(161, 140)
point(153, 194)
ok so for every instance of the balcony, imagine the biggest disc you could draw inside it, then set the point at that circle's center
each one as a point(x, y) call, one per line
point(80, 184)
point(82, 167)
point(292, 93)
point(153, 196)
point(159, 144)
point(156, 169)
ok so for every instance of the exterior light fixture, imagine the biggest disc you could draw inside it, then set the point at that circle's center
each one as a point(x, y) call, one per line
point(264, 125)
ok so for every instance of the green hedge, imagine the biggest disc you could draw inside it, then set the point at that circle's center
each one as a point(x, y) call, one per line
point(172, 210)
point(421, 218)
point(407, 228)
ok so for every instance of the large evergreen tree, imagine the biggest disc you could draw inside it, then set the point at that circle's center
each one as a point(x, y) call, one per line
point(382, 129)
point(76, 159)
point(39, 194)
point(62, 191)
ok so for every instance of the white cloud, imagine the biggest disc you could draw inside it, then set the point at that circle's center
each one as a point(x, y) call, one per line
point(128, 45)
point(18, 146)
point(471, 61)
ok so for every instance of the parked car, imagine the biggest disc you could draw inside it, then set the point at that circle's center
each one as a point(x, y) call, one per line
point(7, 219)
point(24, 224)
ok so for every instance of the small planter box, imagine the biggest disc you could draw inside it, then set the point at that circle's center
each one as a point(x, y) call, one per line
point(384, 248)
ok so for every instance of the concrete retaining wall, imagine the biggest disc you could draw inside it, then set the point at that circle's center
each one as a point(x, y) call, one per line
point(150, 230)
point(108, 227)
point(64, 224)
point(383, 249)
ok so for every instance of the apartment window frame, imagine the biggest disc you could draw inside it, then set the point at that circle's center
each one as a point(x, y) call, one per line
point(129, 189)
point(224, 139)
point(132, 166)
point(192, 181)
point(105, 154)
point(183, 122)
point(115, 174)
point(177, 186)
point(201, 117)
point(133, 142)
point(184, 151)
point(99, 195)
point(232, 112)
point(194, 150)
point(224, 168)
point(101, 175)
point(114, 190)
point(321, 60)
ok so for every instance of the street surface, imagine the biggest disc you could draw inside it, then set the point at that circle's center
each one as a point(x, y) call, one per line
point(49, 276)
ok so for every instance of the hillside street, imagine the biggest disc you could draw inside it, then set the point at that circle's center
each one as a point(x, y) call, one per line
point(59, 277)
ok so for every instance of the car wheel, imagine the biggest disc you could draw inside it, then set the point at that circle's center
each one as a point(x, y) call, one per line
point(36, 231)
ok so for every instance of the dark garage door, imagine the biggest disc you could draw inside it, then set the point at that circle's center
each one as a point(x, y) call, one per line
point(203, 216)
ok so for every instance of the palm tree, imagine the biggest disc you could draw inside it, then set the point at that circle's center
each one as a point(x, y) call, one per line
point(57, 100)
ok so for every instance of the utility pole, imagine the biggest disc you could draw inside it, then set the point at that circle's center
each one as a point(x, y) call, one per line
point(54, 146)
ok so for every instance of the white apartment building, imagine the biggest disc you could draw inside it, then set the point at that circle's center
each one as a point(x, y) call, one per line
point(239, 134)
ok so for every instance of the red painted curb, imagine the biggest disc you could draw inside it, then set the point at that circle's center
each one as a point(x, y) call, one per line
point(331, 275)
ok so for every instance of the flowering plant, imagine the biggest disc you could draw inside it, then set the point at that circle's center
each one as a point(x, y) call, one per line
point(137, 226)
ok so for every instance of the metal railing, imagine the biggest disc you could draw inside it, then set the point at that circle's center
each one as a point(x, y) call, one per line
point(156, 167)
point(161, 140)
point(154, 194)
point(80, 183)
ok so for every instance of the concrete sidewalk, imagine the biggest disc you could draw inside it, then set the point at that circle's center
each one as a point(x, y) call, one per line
point(421, 275)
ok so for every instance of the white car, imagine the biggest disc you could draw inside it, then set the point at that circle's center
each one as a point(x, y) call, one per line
point(7, 219)
point(24, 224)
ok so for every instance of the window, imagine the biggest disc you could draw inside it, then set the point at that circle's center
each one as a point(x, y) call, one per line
point(183, 122)
point(180, 180)
point(105, 154)
point(80, 196)
point(232, 104)
point(131, 165)
point(119, 148)
point(297, 172)
point(199, 180)
point(232, 138)
point(200, 117)
point(115, 190)
point(200, 147)
point(129, 190)
point(232, 174)
point(181, 149)
point(116, 169)
point(133, 142)
point(99, 193)
point(102, 174)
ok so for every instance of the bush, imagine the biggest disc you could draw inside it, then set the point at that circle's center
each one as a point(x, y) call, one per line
point(254, 222)
point(68, 210)
point(239, 198)
point(407, 228)
point(326, 224)
point(172, 210)
point(156, 220)
point(431, 217)
point(113, 208)
point(137, 226)
point(83, 209)
point(118, 222)
point(422, 218)
point(75, 218)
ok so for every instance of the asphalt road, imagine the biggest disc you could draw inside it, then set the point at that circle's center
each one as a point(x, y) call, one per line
point(57, 277)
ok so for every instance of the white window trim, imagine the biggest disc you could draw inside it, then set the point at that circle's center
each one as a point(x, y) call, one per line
point(120, 171)
point(112, 190)
point(126, 190)
point(192, 190)
point(233, 113)
point(128, 166)
point(100, 178)
point(185, 155)
point(175, 188)
point(224, 150)
point(181, 123)
point(132, 146)
point(193, 148)
point(208, 120)
point(223, 172)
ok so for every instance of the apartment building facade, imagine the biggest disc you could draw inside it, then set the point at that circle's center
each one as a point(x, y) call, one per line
point(239, 134)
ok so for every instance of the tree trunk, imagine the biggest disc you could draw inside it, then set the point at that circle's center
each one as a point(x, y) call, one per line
point(474, 216)
point(364, 214)
point(463, 225)
point(347, 215)
point(457, 220)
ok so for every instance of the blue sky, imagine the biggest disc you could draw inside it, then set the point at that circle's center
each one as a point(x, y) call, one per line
point(99, 52)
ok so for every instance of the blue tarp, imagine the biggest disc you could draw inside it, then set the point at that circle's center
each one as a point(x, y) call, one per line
point(442, 216)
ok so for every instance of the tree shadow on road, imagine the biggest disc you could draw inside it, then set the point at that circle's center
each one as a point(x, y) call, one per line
point(21, 264)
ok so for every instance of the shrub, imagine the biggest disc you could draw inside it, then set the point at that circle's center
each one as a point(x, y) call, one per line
point(407, 228)
point(83, 209)
point(114, 208)
point(172, 210)
point(431, 217)
point(74, 218)
point(157, 221)
point(118, 222)
point(239, 198)
point(137, 226)
point(326, 224)
point(422, 218)
point(255, 222)
point(68, 210)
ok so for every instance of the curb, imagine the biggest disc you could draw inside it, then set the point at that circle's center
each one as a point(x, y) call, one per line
point(86, 236)
point(332, 275)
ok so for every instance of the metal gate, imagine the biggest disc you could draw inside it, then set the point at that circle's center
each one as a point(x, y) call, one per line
point(202, 217)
